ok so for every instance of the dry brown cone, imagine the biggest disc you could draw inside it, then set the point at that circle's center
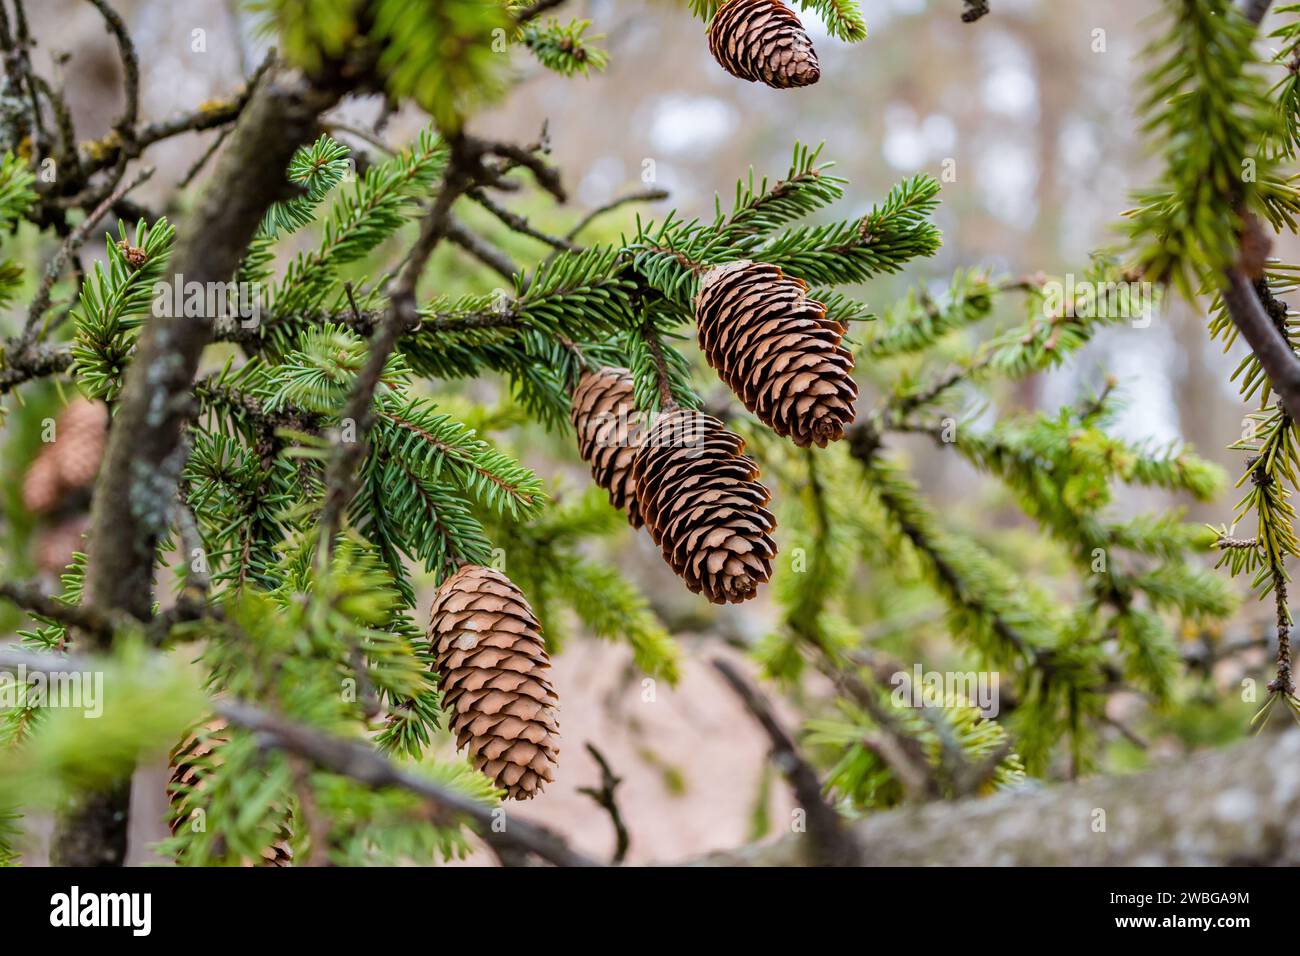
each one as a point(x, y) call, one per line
point(703, 505)
point(763, 41)
point(776, 349)
point(492, 666)
point(608, 429)
point(41, 488)
point(191, 762)
point(70, 462)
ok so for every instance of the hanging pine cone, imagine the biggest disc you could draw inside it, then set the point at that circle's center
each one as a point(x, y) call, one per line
point(704, 506)
point(41, 488)
point(492, 666)
point(605, 421)
point(78, 448)
point(776, 349)
point(191, 763)
point(68, 464)
point(763, 40)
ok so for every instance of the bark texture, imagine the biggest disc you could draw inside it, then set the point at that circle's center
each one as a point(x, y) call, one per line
point(1234, 807)
point(137, 483)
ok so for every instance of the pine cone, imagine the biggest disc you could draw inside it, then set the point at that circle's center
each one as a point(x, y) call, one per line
point(191, 762)
point(69, 463)
point(608, 429)
point(704, 507)
point(492, 667)
point(80, 435)
point(41, 490)
point(763, 40)
point(776, 349)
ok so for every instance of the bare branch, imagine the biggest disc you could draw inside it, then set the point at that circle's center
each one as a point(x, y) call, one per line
point(830, 841)
point(643, 195)
point(37, 362)
point(536, 10)
point(1255, 10)
point(520, 224)
point(125, 125)
point(606, 797)
point(482, 250)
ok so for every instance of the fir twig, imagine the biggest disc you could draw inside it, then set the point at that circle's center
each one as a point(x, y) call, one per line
point(41, 301)
point(401, 317)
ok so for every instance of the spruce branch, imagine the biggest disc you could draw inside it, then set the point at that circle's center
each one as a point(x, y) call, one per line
point(356, 760)
point(142, 462)
point(41, 301)
point(464, 170)
point(29, 596)
point(1275, 356)
point(144, 457)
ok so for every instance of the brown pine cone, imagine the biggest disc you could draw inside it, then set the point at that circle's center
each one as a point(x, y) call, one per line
point(191, 762)
point(608, 427)
point(776, 349)
point(41, 489)
point(704, 506)
point(80, 436)
point(70, 462)
point(492, 666)
point(763, 40)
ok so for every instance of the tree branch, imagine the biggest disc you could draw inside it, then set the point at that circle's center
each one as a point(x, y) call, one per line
point(350, 758)
point(146, 452)
point(606, 798)
point(1280, 364)
point(830, 842)
point(1255, 10)
point(355, 759)
point(1239, 806)
point(30, 597)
